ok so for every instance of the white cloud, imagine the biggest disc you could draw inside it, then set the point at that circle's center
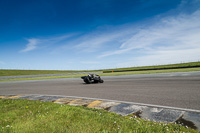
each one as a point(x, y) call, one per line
point(176, 33)
point(32, 45)
point(35, 43)
point(170, 39)
point(161, 56)
point(171, 56)
point(98, 39)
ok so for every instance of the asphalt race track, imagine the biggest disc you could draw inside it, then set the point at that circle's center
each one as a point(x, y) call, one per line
point(178, 90)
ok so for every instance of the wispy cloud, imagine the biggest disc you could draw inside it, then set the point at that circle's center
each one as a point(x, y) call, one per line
point(169, 33)
point(32, 45)
point(91, 43)
point(172, 37)
point(161, 56)
point(36, 43)
point(100, 39)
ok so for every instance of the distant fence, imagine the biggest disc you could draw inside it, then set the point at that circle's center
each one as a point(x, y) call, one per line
point(147, 69)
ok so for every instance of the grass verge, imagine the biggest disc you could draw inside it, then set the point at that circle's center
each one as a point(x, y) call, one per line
point(175, 66)
point(151, 71)
point(35, 72)
point(109, 74)
point(41, 72)
point(35, 116)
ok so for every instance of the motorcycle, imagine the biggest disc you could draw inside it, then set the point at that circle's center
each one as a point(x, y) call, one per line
point(92, 78)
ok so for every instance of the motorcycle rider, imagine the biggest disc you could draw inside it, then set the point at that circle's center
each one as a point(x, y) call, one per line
point(90, 76)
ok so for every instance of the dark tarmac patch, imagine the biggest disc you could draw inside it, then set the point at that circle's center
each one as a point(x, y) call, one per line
point(125, 109)
point(161, 115)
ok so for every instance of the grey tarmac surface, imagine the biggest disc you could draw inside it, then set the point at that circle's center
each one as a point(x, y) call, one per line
point(181, 90)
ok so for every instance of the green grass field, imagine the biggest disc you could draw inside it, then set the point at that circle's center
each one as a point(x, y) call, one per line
point(109, 74)
point(33, 72)
point(157, 66)
point(40, 72)
point(37, 72)
point(22, 116)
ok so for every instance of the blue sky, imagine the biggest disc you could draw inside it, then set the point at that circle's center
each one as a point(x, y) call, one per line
point(97, 34)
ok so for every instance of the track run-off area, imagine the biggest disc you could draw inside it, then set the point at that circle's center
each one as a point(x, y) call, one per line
point(180, 90)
